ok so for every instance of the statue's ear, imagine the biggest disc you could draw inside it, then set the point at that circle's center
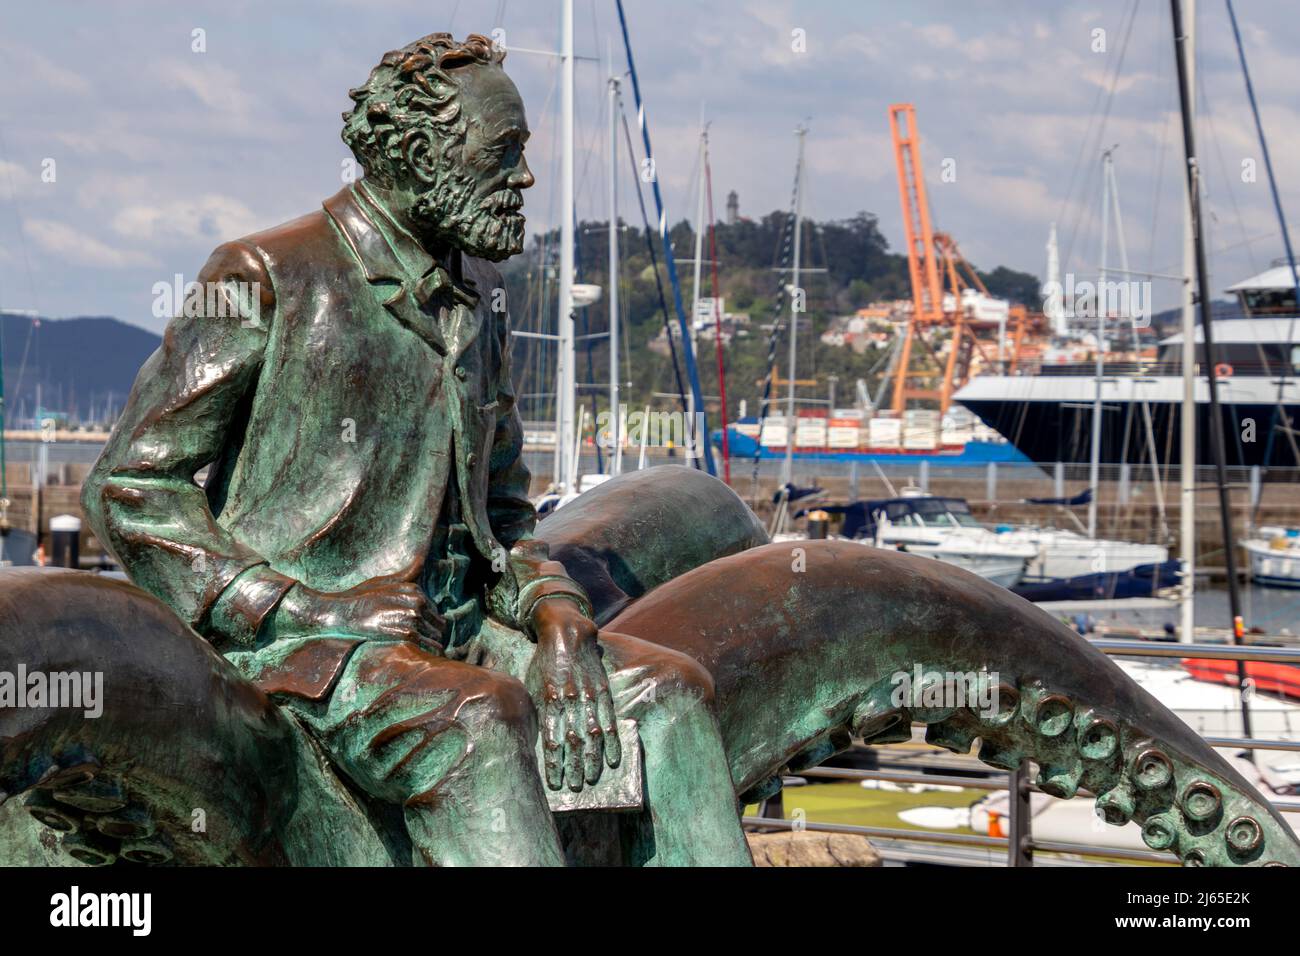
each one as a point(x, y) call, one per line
point(419, 155)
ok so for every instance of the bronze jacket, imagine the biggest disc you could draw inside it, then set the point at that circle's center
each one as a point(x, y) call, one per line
point(336, 382)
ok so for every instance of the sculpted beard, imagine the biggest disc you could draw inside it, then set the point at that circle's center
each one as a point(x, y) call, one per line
point(490, 227)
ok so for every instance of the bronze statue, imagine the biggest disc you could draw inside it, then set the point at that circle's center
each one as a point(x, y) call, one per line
point(357, 636)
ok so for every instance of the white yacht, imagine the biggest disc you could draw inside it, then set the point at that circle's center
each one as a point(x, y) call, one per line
point(1275, 557)
point(935, 527)
point(1060, 553)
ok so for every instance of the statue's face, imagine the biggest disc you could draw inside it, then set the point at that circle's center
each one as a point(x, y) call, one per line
point(473, 198)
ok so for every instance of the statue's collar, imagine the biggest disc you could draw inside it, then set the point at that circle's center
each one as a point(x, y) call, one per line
point(388, 253)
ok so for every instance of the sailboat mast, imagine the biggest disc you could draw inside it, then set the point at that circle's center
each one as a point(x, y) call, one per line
point(699, 230)
point(1099, 303)
point(1207, 331)
point(567, 383)
point(1187, 434)
point(717, 320)
point(1123, 253)
point(615, 406)
point(796, 304)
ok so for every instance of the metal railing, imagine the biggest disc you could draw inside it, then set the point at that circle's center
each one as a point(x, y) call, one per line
point(1020, 846)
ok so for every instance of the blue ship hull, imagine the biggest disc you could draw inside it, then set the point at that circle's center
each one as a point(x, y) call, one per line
point(972, 453)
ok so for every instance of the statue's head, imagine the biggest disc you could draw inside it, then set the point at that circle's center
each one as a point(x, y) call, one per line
point(441, 129)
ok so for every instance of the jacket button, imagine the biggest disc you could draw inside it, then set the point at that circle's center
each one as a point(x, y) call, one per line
point(461, 373)
point(471, 459)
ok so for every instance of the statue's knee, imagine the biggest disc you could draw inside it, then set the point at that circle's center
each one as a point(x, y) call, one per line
point(497, 700)
point(677, 675)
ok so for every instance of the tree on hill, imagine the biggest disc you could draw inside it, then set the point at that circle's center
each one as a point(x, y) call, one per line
point(860, 269)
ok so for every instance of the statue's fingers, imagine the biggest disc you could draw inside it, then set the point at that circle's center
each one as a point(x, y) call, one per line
point(592, 742)
point(573, 742)
point(396, 629)
point(427, 638)
point(436, 620)
point(608, 718)
point(553, 743)
point(397, 623)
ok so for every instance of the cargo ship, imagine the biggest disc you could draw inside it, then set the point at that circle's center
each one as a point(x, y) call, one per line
point(919, 435)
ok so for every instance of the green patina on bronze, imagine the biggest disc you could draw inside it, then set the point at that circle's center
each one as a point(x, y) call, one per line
point(344, 646)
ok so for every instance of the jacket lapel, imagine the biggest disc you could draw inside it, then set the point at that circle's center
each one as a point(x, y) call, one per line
point(463, 320)
point(381, 266)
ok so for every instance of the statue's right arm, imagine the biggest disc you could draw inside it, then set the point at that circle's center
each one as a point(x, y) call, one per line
point(141, 498)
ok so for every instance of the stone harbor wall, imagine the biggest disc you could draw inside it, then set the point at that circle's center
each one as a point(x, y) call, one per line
point(809, 848)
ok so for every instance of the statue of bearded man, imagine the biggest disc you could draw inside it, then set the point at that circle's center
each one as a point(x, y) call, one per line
point(362, 547)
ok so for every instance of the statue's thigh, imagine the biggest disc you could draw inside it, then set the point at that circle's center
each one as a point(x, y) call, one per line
point(643, 673)
point(639, 671)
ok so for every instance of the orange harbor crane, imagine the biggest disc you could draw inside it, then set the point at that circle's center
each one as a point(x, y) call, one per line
point(931, 256)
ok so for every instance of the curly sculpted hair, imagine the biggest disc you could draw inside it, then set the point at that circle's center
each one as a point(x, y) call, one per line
point(412, 90)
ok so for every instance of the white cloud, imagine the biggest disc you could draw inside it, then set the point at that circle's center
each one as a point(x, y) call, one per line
point(77, 247)
point(209, 217)
point(218, 88)
point(43, 72)
point(19, 182)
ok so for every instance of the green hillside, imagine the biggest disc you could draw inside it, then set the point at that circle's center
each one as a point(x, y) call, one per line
point(859, 270)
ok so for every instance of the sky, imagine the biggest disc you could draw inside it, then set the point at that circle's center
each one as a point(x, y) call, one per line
point(135, 135)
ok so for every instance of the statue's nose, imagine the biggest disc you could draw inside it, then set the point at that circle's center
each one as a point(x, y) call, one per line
point(522, 176)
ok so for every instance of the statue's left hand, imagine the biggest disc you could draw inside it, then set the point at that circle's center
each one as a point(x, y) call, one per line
point(571, 690)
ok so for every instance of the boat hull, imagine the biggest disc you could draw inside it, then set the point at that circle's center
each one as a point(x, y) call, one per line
point(1274, 567)
point(1049, 418)
point(975, 452)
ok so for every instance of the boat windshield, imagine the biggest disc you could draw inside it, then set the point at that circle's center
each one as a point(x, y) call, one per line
point(934, 512)
point(959, 512)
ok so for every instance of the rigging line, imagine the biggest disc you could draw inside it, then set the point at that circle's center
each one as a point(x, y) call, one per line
point(1078, 158)
point(1208, 111)
point(1281, 219)
point(1158, 193)
point(591, 377)
point(616, 280)
point(1105, 115)
point(1086, 222)
point(1087, 135)
point(27, 270)
point(786, 252)
point(717, 317)
point(1111, 88)
point(812, 338)
point(1123, 455)
point(593, 131)
point(1169, 447)
point(654, 263)
point(535, 365)
point(622, 317)
point(699, 410)
point(625, 319)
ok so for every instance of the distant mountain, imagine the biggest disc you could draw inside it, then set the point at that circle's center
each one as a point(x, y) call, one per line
point(84, 366)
